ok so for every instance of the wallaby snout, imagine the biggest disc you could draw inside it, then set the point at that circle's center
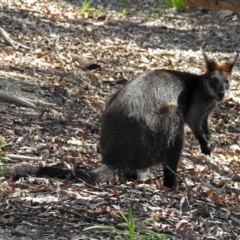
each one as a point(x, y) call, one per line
point(220, 96)
point(220, 88)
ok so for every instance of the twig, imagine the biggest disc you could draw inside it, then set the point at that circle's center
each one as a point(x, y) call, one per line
point(22, 157)
point(216, 195)
point(27, 10)
point(41, 103)
point(182, 180)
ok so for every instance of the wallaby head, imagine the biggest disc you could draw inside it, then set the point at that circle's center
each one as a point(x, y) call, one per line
point(217, 77)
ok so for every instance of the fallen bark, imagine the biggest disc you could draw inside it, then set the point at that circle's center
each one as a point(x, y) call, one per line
point(232, 5)
point(13, 98)
point(84, 63)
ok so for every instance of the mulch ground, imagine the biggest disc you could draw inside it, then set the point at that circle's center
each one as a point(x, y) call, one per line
point(75, 61)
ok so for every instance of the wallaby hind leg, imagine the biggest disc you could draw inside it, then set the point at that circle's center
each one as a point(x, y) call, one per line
point(170, 168)
point(142, 175)
point(150, 173)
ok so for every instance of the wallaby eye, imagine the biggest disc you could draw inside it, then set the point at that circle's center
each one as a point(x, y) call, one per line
point(227, 82)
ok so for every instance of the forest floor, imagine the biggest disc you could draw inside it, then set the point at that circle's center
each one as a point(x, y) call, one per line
point(124, 38)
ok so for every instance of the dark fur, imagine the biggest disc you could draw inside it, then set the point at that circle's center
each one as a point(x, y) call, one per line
point(143, 123)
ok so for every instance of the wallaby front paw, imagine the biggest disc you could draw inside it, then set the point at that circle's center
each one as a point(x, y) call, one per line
point(206, 149)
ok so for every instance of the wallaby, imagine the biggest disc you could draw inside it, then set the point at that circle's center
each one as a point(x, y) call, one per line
point(143, 123)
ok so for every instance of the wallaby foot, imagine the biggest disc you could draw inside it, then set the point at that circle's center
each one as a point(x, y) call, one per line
point(145, 175)
point(206, 148)
point(174, 155)
point(170, 179)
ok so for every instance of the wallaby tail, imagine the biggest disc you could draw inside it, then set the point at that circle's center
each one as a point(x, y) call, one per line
point(101, 174)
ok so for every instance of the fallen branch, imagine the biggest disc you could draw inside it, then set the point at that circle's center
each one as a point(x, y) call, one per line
point(6, 38)
point(13, 98)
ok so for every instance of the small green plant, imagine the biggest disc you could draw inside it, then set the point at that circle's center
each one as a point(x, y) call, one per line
point(216, 21)
point(85, 6)
point(3, 157)
point(155, 16)
point(124, 11)
point(174, 3)
point(100, 11)
point(187, 15)
point(124, 5)
point(134, 231)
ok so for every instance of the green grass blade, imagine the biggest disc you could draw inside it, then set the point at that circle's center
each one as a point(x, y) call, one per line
point(131, 223)
point(121, 238)
point(144, 221)
point(174, 3)
point(150, 234)
point(123, 216)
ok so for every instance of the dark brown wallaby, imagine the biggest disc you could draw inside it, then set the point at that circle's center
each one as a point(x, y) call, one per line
point(143, 123)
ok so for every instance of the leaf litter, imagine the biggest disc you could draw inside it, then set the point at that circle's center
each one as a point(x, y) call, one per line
point(75, 61)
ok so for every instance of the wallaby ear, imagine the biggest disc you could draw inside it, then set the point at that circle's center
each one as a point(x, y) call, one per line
point(210, 63)
point(231, 62)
